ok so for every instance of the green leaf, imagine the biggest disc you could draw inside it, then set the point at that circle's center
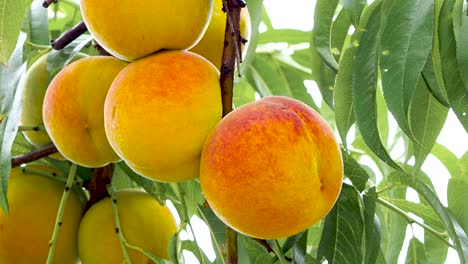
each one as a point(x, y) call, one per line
point(455, 231)
point(216, 225)
point(405, 45)
point(447, 158)
point(300, 249)
point(243, 93)
point(11, 18)
point(424, 211)
point(344, 114)
point(323, 76)
point(354, 171)
point(39, 23)
point(256, 252)
point(292, 240)
point(457, 197)
point(10, 108)
point(340, 28)
point(416, 252)
point(354, 9)
point(426, 120)
point(457, 93)
point(429, 77)
point(460, 28)
point(371, 227)
point(290, 36)
point(65, 14)
point(157, 189)
point(393, 225)
point(323, 19)
point(255, 12)
point(436, 250)
point(271, 76)
point(365, 77)
point(342, 233)
point(174, 248)
point(195, 249)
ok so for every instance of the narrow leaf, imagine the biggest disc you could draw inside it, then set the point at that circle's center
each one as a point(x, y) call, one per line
point(372, 227)
point(354, 171)
point(300, 249)
point(405, 45)
point(322, 75)
point(429, 77)
point(416, 253)
point(11, 18)
point(39, 23)
point(340, 28)
point(323, 19)
point(10, 108)
point(255, 12)
point(460, 27)
point(427, 118)
point(447, 158)
point(457, 197)
point(457, 93)
point(291, 36)
point(354, 9)
point(365, 77)
point(342, 234)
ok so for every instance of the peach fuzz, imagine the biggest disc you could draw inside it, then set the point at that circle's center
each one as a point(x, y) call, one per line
point(131, 29)
point(73, 110)
point(159, 111)
point(272, 168)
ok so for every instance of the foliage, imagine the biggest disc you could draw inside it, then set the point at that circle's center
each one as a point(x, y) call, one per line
point(371, 63)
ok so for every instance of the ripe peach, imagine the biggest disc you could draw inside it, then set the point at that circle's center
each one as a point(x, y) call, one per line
point(133, 29)
point(34, 89)
point(211, 45)
point(73, 110)
point(271, 168)
point(143, 221)
point(159, 111)
point(25, 232)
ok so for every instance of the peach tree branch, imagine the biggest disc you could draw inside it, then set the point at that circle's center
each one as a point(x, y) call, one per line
point(34, 155)
point(69, 36)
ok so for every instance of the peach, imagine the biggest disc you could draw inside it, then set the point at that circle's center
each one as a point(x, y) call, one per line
point(26, 231)
point(159, 111)
point(134, 29)
point(34, 89)
point(212, 43)
point(271, 168)
point(73, 110)
point(143, 221)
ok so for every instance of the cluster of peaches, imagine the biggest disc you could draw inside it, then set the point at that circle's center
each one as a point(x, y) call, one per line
point(269, 169)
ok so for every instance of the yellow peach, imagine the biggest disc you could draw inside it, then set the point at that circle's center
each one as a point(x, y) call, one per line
point(143, 221)
point(212, 43)
point(159, 111)
point(133, 29)
point(73, 110)
point(34, 89)
point(26, 231)
point(271, 168)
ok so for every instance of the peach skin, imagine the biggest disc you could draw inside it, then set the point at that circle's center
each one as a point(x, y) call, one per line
point(271, 168)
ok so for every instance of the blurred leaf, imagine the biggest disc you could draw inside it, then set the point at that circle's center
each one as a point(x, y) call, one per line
point(426, 120)
point(323, 19)
point(255, 12)
point(270, 76)
point(290, 36)
point(393, 225)
point(457, 93)
point(354, 9)
point(157, 189)
point(339, 33)
point(455, 231)
point(344, 115)
point(354, 171)
point(365, 78)
point(39, 23)
point(416, 253)
point(11, 18)
point(57, 59)
point(405, 45)
point(460, 28)
point(343, 229)
point(372, 227)
point(457, 197)
point(65, 14)
point(243, 93)
point(10, 108)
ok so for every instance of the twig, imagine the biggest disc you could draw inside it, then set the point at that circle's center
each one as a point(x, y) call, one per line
point(411, 220)
point(118, 227)
point(100, 49)
point(231, 246)
point(34, 155)
point(69, 36)
point(97, 186)
point(58, 220)
point(47, 3)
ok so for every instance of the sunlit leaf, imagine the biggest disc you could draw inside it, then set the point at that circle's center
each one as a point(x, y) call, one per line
point(10, 105)
point(416, 253)
point(457, 197)
point(11, 17)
